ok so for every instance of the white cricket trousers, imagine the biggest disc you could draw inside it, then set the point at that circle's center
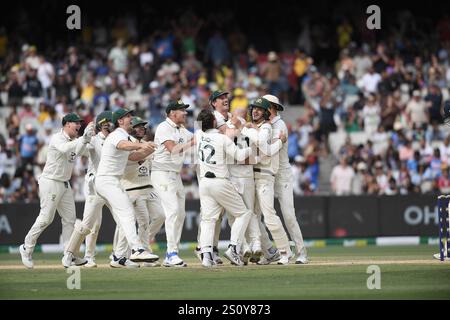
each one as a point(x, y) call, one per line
point(170, 189)
point(265, 205)
point(92, 216)
point(111, 190)
point(285, 194)
point(92, 219)
point(54, 195)
point(217, 194)
point(246, 189)
point(149, 216)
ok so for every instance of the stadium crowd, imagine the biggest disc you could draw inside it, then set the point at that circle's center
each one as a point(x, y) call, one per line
point(390, 90)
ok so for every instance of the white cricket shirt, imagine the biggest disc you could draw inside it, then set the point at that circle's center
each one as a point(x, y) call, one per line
point(278, 126)
point(113, 161)
point(94, 149)
point(62, 152)
point(137, 173)
point(163, 160)
point(213, 149)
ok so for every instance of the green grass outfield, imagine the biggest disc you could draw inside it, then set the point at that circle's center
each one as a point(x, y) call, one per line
point(335, 272)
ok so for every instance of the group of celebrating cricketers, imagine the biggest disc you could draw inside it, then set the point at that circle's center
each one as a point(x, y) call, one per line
point(241, 167)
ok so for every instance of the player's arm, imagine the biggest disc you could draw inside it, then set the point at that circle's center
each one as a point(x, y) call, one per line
point(232, 150)
point(178, 148)
point(147, 148)
point(264, 137)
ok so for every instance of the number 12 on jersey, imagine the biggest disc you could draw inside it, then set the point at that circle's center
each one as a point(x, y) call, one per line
point(204, 148)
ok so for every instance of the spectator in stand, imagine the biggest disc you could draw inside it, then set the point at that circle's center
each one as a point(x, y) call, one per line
point(369, 82)
point(416, 111)
point(28, 147)
point(434, 104)
point(341, 178)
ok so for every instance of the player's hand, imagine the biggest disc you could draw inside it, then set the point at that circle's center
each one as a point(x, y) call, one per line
point(283, 137)
point(236, 122)
point(250, 125)
point(89, 132)
point(149, 146)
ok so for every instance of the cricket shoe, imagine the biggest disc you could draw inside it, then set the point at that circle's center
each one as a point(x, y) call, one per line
point(256, 254)
point(69, 260)
point(216, 256)
point(173, 260)
point(141, 255)
point(271, 257)
point(90, 262)
point(26, 256)
point(246, 256)
point(123, 263)
point(438, 257)
point(207, 260)
point(198, 253)
point(302, 258)
point(233, 256)
point(285, 256)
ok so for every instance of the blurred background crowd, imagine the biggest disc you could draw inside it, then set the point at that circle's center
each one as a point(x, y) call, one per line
point(363, 107)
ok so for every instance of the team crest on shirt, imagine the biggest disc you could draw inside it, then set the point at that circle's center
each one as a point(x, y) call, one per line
point(181, 140)
point(143, 170)
point(72, 156)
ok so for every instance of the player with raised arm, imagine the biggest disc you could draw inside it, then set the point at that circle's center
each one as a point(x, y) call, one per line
point(217, 192)
point(55, 192)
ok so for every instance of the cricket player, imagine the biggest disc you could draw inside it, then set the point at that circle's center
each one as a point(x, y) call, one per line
point(147, 205)
point(265, 171)
point(284, 183)
point(217, 192)
point(173, 140)
point(117, 150)
point(241, 173)
point(55, 192)
point(92, 215)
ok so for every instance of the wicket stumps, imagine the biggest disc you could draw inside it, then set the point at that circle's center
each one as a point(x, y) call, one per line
point(444, 226)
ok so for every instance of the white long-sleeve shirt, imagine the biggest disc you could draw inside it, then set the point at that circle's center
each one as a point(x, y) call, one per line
point(94, 152)
point(61, 156)
point(137, 173)
point(278, 126)
point(214, 149)
point(268, 152)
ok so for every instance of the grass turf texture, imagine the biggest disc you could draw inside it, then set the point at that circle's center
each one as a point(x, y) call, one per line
point(407, 272)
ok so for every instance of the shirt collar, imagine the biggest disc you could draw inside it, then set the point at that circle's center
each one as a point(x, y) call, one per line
point(275, 119)
point(173, 124)
point(259, 125)
point(212, 131)
point(217, 114)
point(65, 135)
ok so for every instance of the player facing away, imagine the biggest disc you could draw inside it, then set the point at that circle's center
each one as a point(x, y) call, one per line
point(241, 173)
point(55, 192)
point(147, 205)
point(284, 183)
point(173, 140)
point(265, 171)
point(217, 192)
point(92, 214)
point(117, 150)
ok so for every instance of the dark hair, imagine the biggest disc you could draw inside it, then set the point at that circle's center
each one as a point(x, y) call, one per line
point(206, 118)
